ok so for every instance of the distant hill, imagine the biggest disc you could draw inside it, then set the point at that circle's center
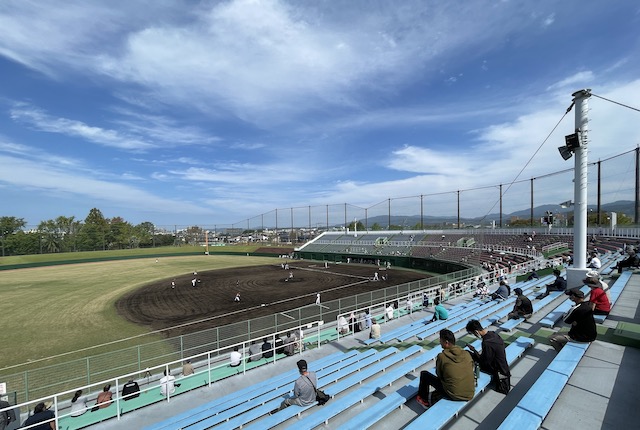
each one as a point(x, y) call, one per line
point(622, 206)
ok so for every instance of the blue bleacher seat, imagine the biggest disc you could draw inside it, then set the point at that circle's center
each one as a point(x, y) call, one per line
point(537, 402)
point(616, 290)
point(394, 400)
point(445, 410)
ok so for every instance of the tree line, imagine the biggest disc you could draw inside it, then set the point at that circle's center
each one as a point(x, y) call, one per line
point(67, 234)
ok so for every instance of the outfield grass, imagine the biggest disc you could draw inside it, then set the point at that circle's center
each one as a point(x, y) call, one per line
point(57, 309)
point(122, 253)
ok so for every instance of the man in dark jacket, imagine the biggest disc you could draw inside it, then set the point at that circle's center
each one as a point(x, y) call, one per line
point(523, 307)
point(454, 377)
point(583, 326)
point(7, 416)
point(559, 284)
point(267, 350)
point(493, 358)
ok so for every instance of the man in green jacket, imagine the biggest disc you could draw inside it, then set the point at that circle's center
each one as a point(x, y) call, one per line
point(454, 370)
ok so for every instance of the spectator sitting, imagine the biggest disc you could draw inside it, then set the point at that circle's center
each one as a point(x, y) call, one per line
point(304, 389)
point(187, 368)
point(362, 321)
point(279, 345)
point(289, 344)
point(631, 261)
point(603, 285)
point(533, 275)
point(375, 330)
point(368, 318)
point(454, 378)
point(78, 404)
point(523, 307)
point(168, 384)
point(235, 358)
point(583, 326)
point(559, 284)
point(493, 359)
point(482, 291)
point(598, 299)
point(425, 300)
point(267, 350)
point(389, 311)
point(502, 292)
point(343, 325)
point(8, 416)
point(594, 261)
point(255, 351)
point(439, 311)
point(104, 398)
point(42, 414)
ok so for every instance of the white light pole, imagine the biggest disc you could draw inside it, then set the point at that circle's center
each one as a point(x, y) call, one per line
point(576, 274)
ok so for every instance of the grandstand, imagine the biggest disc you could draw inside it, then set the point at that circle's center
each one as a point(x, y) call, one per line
point(591, 385)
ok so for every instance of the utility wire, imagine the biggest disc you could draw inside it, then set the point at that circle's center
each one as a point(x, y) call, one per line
point(547, 138)
point(530, 159)
point(615, 102)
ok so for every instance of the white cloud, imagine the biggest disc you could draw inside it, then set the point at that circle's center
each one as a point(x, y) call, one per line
point(40, 177)
point(42, 121)
point(580, 78)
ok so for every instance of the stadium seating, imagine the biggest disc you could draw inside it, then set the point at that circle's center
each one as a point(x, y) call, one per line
point(445, 410)
point(616, 290)
point(532, 409)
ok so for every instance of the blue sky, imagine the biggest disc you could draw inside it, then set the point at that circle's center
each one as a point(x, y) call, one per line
point(203, 112)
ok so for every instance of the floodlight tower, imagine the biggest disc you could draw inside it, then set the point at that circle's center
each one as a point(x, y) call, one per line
point(578, 143)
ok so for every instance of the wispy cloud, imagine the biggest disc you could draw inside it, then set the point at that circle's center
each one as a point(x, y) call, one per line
point(107, 137)
point(26, 174)
point(580, 78)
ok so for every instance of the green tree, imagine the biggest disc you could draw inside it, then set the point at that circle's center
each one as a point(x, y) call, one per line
point(359, 226)
point(146, 234)
point(68, 229)
point(93, 234)
point(23, 243)
point(193, 235)
point(50, 237)
point(523, 222)
point(119, 235)
point(376, 227)
point(8, 226)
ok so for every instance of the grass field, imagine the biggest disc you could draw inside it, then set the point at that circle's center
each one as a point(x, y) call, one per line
point(121, 253)
point(53, 310)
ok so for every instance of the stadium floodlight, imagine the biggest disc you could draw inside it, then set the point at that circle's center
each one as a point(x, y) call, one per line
point(572, 141)
point(565, 152)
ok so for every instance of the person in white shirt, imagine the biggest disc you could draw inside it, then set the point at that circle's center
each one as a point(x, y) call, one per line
point(235, 357)
point(343, 325)
point(167, 384)
point(78, 404)
point(389, 311)
point(595, 262)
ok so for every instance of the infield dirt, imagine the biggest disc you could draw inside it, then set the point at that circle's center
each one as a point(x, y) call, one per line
point(159, 306)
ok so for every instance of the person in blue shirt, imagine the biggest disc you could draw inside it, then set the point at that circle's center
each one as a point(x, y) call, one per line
point(439, 311)
point(502, 293)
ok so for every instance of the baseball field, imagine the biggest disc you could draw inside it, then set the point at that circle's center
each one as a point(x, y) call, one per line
point(50, 311)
